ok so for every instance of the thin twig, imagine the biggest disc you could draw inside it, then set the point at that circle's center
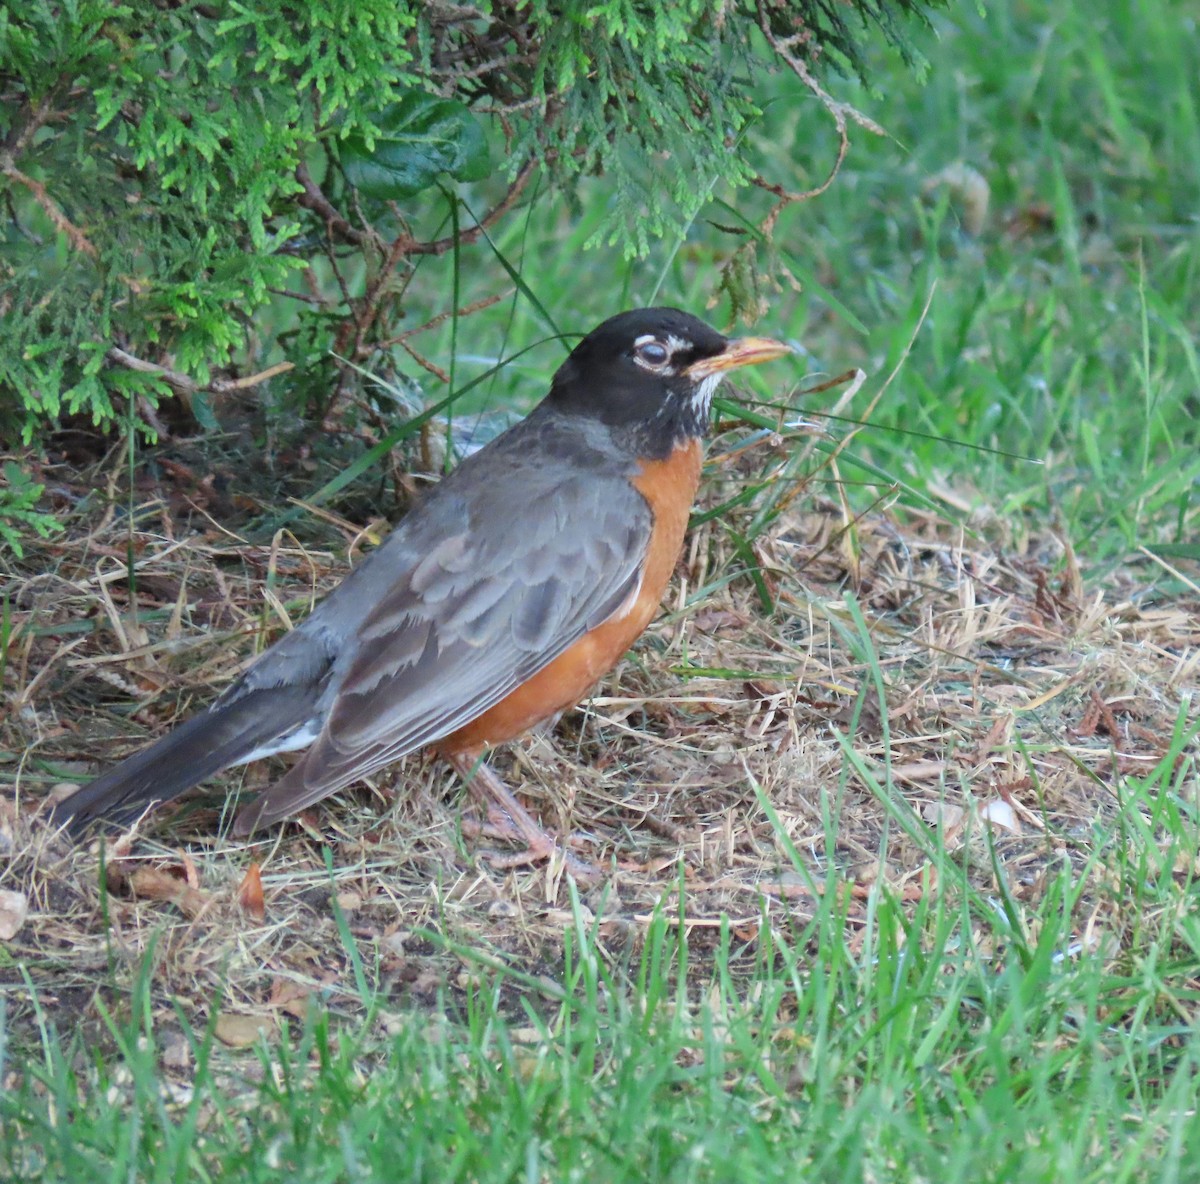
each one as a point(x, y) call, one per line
point(186, 385)
point(841, 112)
point(424, 362)
point(224, 385)
point(313, 199)
point(373, 298)
point(20, 139)
point(50, 207)
point(433, 322)
point(470, 234)
point(173, 378)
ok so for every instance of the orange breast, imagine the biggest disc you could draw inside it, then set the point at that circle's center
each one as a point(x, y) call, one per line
point(670, 487)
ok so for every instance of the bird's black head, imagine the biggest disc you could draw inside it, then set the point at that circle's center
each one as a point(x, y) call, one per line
point(653, 371)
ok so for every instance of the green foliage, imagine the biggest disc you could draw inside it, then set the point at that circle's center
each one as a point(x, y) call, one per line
point(18, 509)
point(419, 139)
point(167, 167)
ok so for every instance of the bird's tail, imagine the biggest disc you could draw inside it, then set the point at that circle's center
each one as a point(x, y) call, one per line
point(207, 743)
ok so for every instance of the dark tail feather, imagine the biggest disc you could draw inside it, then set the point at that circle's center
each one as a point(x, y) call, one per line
point(204, 745)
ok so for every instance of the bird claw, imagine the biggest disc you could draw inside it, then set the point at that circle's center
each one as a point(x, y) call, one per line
point(500, 825)
point(508, 819)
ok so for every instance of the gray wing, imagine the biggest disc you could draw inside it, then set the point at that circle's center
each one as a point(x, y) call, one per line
point(483, 595)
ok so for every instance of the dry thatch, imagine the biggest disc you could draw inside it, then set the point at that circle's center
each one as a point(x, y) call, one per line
point(1018, 693)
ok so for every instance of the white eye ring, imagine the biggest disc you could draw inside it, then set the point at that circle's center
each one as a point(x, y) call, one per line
point(652, 352)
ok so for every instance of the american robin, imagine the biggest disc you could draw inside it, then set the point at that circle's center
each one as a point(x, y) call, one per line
point(496, 603)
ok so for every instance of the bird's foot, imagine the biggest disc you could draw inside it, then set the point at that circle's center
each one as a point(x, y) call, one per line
point(500, 826)
point(508, 819)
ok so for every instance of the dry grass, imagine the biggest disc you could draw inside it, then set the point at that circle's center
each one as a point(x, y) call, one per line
point(1018, 693)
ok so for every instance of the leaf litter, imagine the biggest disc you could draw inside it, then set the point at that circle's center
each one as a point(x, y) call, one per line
point(835, 665)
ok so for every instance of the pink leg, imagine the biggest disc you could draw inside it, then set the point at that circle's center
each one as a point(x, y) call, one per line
point(512, 820)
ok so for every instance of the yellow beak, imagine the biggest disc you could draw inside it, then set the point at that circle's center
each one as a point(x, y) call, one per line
point(741, 351)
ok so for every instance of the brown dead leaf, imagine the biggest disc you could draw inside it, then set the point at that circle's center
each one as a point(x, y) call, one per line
point(968, 189)
point(710, 620)
point(915, 772)
point(14, 908)
point(176, 1052)
point(349, 901)
point(191, 877)
point(240, 1031)
point(786, 887)
point(288, 995)
point(60, 791)
point(156, 883)
point(999, 734)
point(250, 893)
point(950, 819)
point(943, 814)
point(565, 918)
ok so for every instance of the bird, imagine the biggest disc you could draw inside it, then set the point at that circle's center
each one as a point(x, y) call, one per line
point(509, 590)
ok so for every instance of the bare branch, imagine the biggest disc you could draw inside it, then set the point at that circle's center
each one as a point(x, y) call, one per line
point(784, 48)
point(19, 140)
point(313, 199)
point(433, 322)
point(173, 378)
point(50, 207)
point(424, 362)
point(470, 234)
point(182, 383)
point(222, 386)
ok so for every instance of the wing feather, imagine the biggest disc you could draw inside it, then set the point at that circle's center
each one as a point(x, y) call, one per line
point(453, 637)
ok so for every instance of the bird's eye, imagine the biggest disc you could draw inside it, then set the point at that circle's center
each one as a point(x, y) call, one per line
point(653, 353)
